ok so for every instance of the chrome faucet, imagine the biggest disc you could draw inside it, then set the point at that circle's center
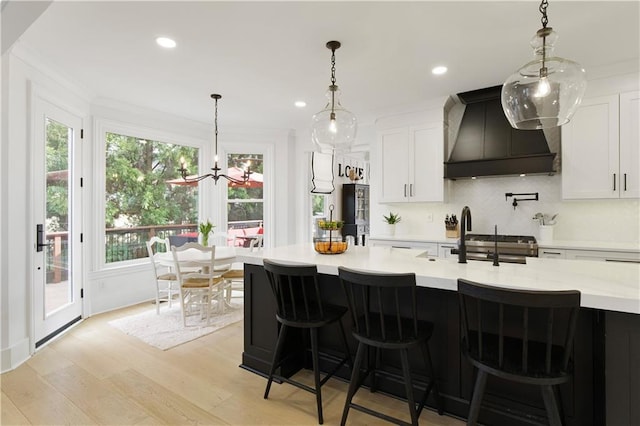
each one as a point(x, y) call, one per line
point(465, 220)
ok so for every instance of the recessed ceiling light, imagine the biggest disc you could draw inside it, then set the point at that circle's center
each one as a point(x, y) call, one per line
point(300, 104)
point(166, 42)
point(439, 70)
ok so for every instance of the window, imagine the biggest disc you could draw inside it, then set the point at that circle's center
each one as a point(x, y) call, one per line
point(318, 209)
point(245, 203)
point(145, 195)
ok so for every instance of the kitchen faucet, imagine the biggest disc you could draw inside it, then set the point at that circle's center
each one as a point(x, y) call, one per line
point(465, 220)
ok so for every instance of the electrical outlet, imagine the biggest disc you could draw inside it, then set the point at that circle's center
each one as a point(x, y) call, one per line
point(429, 217)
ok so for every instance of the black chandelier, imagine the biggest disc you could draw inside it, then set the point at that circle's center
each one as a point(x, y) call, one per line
point(216, 170)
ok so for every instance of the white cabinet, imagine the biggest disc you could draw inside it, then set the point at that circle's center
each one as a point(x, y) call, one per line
point(600, 155)
point(444, 250)
point(603, 255)
point(430, 248)
point(551, 253)
point(412, 163)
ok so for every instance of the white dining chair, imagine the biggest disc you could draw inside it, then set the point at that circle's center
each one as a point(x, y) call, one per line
point(166, 280)
point(235, 276)
point(200, 284)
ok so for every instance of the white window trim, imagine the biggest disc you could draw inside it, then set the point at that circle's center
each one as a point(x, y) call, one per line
point(100, 128)
point(268, 198)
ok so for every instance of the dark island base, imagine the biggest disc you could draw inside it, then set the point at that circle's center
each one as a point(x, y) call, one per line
point(505, 403)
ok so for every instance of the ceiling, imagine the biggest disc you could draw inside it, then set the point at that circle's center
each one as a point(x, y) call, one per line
point(263, 56)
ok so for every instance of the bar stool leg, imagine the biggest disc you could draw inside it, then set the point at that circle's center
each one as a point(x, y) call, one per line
point(316, 370)
point(551, 405)
point(436, 391)
point(353, 384)
point(404, 357)
point(478, 392)
point(346, 345)
point(276, 358)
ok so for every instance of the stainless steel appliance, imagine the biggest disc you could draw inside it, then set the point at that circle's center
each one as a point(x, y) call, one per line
point(355, 211)
point(511, 248)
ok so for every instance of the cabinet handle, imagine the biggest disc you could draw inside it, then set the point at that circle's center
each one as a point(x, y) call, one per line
point(552, 252)
point(614, 181)
point(411, 190)
point(625, 181)
point(405, 189)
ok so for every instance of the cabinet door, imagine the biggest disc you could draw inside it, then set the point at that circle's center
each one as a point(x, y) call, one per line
point(426, 163)
point(590, 151)
point(394, 152)
point(629, 145)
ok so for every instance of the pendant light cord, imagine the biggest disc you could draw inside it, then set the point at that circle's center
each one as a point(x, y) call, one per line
point(333, 83)
point(215, 133)
point(544, 20)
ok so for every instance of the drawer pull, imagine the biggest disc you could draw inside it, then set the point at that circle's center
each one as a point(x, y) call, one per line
point(552, 252)
point(614, 181)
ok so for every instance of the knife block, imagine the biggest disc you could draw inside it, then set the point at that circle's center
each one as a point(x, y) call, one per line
point(452, 232)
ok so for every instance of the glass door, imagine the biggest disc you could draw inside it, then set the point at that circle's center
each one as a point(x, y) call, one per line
point(245, 202)
point(57, 258)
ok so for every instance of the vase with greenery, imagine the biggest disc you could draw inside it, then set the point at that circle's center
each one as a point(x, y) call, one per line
point(391, 220)
point(205, 229)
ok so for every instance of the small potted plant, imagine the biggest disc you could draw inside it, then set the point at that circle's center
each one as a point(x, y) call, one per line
point(205, 229)
point(391, 220)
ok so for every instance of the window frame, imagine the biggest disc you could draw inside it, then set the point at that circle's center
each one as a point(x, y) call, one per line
point(101, 128)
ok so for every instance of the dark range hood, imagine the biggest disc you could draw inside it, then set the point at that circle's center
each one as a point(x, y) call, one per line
point(487, 145)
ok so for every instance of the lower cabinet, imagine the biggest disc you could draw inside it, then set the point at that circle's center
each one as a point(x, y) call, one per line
point(430, 248)
point(598, 255)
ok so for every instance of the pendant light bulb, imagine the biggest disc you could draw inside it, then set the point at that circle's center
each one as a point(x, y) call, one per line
point(545, 92)
point(334, 128)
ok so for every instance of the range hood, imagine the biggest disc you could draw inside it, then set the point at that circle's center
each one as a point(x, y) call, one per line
point(487, 145)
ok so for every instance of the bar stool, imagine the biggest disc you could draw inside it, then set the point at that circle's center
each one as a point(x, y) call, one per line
point(518, 335)
point(299, 305)
point(384, 313)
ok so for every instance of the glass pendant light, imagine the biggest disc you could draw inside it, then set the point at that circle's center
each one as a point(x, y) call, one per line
point(334, 128)
point(545, 92)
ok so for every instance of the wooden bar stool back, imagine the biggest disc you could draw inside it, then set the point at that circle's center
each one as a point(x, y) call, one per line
point(384, 315)
point(299, 305)
point(518, 335)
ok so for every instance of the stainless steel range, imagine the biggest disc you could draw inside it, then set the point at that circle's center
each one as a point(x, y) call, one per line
point(511, 248)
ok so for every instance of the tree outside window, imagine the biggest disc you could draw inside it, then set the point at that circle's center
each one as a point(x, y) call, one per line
point(139, 201)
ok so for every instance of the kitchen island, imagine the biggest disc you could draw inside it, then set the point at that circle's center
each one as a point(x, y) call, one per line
point(607, 338)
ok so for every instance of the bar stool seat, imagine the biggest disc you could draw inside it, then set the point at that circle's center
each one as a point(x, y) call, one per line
point(384, 315)
point(299, 305)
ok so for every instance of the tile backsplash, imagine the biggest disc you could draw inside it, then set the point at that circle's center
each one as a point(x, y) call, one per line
point(578, 220)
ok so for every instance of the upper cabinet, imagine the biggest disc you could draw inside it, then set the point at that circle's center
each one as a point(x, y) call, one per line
point(600, 155)
point(411, 161)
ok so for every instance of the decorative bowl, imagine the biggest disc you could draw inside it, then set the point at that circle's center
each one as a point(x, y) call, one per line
point(329, 245)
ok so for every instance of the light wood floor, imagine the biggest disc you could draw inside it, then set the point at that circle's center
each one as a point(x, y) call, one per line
point(95, 374)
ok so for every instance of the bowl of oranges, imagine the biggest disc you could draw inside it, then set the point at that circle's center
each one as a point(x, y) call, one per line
point(329, 245)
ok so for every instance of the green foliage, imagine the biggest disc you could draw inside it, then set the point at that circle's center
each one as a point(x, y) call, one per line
point(57, 159)
point(136, 188)
point(392, 219)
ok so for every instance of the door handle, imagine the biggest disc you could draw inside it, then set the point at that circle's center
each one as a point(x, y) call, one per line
point(40, 238)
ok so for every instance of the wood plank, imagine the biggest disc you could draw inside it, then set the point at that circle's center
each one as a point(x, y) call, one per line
point(10, 414)
point(98, 398)
point(161, 402)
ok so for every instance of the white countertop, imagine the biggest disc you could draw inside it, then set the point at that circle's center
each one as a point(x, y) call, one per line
point(604, 285)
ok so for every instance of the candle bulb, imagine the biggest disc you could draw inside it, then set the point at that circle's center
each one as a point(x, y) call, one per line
point(183, 163)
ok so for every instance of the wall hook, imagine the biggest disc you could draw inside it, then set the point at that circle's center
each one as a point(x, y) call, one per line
point(533, 196)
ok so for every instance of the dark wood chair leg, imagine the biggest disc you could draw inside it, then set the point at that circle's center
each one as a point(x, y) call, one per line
point(276, 358)
point(551, 405)
point(346, 345)
point(404, 357)
point(476, 401)
point(558, 394)
point(353, 384)
point(432, 375)
point(316, 371)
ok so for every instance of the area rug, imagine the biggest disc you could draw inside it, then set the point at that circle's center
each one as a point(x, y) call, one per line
point(166, 330)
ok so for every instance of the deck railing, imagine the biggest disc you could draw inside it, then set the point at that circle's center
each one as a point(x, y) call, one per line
point(120, 244)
